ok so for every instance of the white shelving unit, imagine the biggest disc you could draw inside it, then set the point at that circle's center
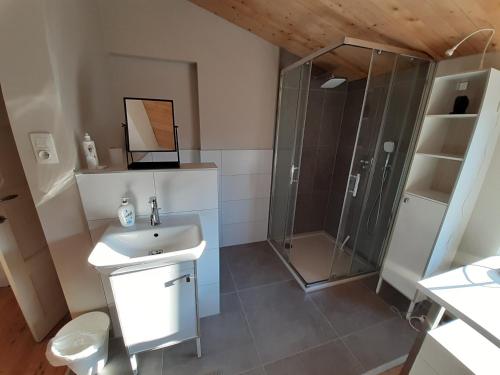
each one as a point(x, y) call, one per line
point(452, 155)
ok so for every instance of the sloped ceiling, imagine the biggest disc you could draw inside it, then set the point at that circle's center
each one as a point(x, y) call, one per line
point(304, 26)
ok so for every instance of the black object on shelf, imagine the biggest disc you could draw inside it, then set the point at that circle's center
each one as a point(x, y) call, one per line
point(460, 105)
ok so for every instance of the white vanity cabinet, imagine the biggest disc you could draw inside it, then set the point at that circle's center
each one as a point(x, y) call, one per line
point(415, 230)
point(157, 306)
point(452, 155)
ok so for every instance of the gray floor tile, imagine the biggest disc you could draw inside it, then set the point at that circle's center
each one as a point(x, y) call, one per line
point(118, 362)
point(226, 280)
point(390, 295)
point(150, 363)
point(226, 343)
point(318, 361)
point(256, 371)
point(382, 342)
point(283, 320)
point(351, 306)
point(254, 265)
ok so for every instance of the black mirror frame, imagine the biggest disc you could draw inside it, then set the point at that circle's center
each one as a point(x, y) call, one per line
point(131, 164)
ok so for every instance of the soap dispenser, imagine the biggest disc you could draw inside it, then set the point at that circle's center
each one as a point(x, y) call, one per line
point(126, 213)
point(90, 152)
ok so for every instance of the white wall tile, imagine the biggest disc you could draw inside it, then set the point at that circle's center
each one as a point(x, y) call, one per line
point(245, 210)
point(208, 297)
point(97, 228)
point(186, 190)
point(101, 192)
point(190, 156)
point(240, 233)
point(246, 162)
point(164, 156)
point(215, 156)
point(247, 186)
point(209, 224)
point(208, 267)
point(211, 156)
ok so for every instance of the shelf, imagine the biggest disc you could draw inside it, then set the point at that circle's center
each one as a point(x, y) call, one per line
point(446, 89)
point(452, 116)
point(442, 155)
point(445, 138)
point(433, 195)
point(433, 178)
point(464, 75)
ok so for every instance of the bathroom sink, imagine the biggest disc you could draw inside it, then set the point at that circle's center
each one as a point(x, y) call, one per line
point(177, 239)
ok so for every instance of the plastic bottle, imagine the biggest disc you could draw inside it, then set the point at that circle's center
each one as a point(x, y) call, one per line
point(126, 213)
point(90, 152)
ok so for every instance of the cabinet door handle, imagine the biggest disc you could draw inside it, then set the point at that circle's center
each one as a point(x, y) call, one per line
point(406, 200)
point(187, 276)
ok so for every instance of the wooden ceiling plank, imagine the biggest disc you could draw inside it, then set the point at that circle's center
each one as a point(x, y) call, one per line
point(305, 26)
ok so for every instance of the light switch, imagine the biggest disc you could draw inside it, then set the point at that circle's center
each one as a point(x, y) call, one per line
point(44, 148)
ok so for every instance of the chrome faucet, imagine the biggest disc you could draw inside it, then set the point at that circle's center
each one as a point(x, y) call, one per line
point(155, 215)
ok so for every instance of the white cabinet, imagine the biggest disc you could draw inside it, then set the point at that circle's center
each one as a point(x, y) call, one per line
point(452, 155)
point(156, 307)
point(456, 349)
point(416, 228)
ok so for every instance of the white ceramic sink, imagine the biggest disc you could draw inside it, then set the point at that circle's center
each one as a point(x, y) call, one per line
point(177, 239)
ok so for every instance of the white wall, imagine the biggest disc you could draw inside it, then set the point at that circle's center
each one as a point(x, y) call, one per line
point(482, 235)
point(55, 73)
point(153, 78)
point(48, 78)
point(237, 71)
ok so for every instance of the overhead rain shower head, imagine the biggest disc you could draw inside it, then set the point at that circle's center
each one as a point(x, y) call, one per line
point(333, 82)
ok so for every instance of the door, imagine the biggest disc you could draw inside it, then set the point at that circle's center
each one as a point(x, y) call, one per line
point(294, 88)
point(364, 165)
point(386, 132)
point(156, 307)
point(412, 240)
point(24, 254)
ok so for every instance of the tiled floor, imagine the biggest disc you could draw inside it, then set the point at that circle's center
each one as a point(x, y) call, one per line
point(269, 326)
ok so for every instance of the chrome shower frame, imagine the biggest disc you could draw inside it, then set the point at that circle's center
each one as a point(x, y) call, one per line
point(374, 46)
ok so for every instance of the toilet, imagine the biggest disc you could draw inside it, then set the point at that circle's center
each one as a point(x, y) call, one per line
point(82, 344)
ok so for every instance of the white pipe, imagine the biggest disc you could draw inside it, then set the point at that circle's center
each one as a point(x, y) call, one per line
point(449, 52)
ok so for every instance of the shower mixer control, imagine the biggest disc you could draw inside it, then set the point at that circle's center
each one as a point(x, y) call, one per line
point(365, 163)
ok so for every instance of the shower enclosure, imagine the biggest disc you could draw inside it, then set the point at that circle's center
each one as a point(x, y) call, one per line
point(346, 126)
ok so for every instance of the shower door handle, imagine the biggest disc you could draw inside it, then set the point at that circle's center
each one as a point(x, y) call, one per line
point(354, 184)
point(293, 170)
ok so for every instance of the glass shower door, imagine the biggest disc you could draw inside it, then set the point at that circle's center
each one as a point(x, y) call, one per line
point(385, 136)
point(294, 87)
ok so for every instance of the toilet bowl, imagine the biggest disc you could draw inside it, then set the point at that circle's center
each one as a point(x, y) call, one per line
point(82, 344)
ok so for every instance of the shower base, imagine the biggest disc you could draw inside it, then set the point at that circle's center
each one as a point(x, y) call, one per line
point(311, 258)
point(312, 255)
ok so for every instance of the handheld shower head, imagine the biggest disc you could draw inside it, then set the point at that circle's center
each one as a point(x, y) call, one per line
point(389, 147)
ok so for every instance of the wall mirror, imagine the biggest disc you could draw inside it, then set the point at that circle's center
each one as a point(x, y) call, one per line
point(151, 133)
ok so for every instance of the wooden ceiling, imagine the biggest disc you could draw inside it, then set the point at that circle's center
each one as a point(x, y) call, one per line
point(305, 26)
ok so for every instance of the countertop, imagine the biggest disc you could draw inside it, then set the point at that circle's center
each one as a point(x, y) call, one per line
point(183, 167)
